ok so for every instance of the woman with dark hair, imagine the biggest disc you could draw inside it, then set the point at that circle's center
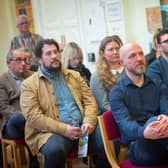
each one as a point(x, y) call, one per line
point(154, 52)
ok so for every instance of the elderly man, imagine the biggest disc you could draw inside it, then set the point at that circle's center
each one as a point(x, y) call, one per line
point(13, 120)
point(55, 101)
point(140, 108)
point(26, 39)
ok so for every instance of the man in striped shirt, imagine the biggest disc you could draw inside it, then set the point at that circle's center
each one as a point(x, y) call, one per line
point(26, 39)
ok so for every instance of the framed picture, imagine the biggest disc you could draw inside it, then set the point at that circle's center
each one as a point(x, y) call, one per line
point(154, 19)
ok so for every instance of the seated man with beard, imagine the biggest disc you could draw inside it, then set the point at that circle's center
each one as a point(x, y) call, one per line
point(140, 108)
point(58, 106)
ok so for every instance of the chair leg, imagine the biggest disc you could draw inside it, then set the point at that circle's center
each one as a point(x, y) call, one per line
point(4, 154)
point(40, 158)
point(90, 163)
point(23, 154)
point(14, 155)
point(69, 163)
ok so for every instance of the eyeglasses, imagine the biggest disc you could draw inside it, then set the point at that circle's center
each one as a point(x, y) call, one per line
point(26, 23)
point(165, 41)
point(27, 61)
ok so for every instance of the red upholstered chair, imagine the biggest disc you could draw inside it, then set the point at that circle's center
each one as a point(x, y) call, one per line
point(71, 157)
point(15, 153)
point(109, 132)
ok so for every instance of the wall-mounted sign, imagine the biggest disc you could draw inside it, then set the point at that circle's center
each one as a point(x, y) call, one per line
point(114, 11)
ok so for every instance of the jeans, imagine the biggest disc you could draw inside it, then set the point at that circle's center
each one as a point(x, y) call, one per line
point(147, 152)
point(56, 150)
point(14, 127)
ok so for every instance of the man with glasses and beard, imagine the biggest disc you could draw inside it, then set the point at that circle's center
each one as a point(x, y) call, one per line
point(159, 68)
point(58, 106)
point(140, 108)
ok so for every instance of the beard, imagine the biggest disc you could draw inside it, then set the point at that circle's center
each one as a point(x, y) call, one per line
point(53, 69)
point(137, 72)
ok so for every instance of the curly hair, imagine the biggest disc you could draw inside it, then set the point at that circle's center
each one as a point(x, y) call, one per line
point(39, 48)
point(102, 65)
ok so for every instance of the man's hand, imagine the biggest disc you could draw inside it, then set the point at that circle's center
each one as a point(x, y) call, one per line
point(151, 131)
point(86, 127)
point(157, 129)
point(163, 126)
point(72, 132)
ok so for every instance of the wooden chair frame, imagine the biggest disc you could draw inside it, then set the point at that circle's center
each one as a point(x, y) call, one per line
point(15, 155)
point(108, 145)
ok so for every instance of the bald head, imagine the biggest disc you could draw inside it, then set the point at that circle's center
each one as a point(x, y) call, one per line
point(126, 48)
point(132, 58)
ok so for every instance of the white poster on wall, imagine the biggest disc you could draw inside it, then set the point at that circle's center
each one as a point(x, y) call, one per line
point(114, 11)
point(96, 21)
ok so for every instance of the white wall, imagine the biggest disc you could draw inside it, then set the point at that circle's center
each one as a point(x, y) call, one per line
point(136, 22)
point(51, 19)
point(95, 21)
point(7, 30)
point(94, 27)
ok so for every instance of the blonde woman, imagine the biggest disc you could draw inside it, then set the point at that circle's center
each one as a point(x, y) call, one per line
point(72, 58)
point(108, 72)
